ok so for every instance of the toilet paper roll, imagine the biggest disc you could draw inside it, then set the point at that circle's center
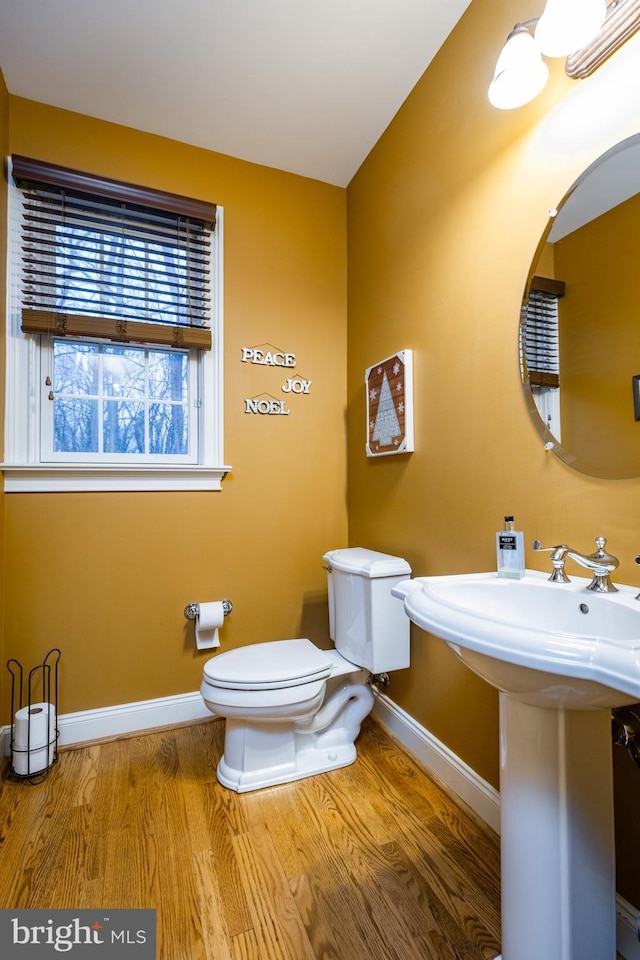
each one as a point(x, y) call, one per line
point(209, 619)
point(34, 735)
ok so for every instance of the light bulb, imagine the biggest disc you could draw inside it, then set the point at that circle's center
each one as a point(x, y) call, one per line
point(567, 25)
point(520, 71)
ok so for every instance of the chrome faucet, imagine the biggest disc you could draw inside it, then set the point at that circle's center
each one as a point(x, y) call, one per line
point(601, 563)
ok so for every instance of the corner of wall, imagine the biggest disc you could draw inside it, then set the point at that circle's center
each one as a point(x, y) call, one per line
point(4, 140)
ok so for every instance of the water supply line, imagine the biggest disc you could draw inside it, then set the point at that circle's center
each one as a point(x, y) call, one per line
point(625, 731)
point(379, 680)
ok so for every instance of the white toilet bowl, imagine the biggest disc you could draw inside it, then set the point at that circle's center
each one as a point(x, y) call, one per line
point(292, 711)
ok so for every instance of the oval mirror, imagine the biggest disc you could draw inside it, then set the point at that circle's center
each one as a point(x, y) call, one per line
point(580, 321)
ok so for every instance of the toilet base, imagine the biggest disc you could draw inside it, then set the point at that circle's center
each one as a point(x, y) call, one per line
point(259, 752)
point(307, 763)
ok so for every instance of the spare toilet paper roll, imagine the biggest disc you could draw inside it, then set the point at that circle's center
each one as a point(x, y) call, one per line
point(34, 735)
point(208, 621)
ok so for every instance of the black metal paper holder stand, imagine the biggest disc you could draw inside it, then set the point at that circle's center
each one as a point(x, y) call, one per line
point(47, 674)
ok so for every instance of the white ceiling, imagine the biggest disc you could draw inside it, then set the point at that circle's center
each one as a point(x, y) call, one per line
point(306, 86)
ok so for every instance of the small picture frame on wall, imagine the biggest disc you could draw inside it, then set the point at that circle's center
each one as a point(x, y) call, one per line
point(389, 391)
point(636, 396)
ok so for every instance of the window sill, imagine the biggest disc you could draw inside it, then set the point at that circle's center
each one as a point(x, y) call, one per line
point(67, 478)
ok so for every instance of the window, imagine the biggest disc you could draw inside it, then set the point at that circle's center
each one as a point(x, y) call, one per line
point(116, 401)
point(114, 361)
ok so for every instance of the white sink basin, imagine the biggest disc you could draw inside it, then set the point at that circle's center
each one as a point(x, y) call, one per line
point(548, 644)
point(562, 656)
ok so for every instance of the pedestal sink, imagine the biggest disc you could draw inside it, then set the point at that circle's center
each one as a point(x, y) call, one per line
point(561, 656)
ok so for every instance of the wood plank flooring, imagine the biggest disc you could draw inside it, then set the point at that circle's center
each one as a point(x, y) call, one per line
point(371, 862)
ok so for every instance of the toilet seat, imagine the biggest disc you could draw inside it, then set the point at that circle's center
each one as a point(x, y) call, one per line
point(274, 665)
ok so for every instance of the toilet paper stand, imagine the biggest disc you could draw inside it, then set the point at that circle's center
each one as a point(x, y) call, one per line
point(42, 679)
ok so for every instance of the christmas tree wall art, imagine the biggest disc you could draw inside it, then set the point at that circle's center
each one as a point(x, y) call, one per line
point(389, 388)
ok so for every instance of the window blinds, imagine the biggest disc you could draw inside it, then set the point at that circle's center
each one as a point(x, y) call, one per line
point(105, 259)
point(540, 332)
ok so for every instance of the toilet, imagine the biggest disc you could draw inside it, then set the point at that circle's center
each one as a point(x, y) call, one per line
point(293, 710)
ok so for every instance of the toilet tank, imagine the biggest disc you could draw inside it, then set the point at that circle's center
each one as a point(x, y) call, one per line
point(368, 626)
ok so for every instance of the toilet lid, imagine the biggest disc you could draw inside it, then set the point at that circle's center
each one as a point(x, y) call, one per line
point(271, 665)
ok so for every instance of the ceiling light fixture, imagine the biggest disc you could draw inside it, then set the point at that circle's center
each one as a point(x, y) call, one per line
point(567, 25)
point(520, 73)
point(587, 32)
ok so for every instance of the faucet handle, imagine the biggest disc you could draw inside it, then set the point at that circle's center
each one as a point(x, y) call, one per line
point(558, 557)
point(560, 547)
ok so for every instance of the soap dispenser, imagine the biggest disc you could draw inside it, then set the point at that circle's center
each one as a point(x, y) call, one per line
point(510, 551)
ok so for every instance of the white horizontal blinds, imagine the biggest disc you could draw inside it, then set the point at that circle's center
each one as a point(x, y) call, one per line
point(114, 261)
point(540, 332)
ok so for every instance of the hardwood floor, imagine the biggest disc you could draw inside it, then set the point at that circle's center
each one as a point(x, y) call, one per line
point(371, 862)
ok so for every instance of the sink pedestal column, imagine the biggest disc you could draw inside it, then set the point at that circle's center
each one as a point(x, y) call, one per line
point(558, 867)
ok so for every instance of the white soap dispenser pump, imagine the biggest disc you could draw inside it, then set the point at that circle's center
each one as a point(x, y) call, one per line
point(510, 551)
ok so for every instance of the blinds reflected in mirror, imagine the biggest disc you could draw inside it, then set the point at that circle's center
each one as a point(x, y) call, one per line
point(540, 332)
point(539, 350)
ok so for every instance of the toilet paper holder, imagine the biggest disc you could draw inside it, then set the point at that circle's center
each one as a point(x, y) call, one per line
point(192, 610)
point(44, 678)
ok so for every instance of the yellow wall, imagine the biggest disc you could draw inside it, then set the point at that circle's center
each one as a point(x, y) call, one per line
point(599, 337)
point(545, 265)
point(444, 220)
point(106, 577)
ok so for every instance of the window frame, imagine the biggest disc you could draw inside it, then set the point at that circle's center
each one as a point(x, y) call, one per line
point(24, 468)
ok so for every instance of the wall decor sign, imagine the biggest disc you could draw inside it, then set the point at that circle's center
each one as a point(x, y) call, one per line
point(268, 356)
point(297, 385)
point(389, 388)
point(266, 405)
